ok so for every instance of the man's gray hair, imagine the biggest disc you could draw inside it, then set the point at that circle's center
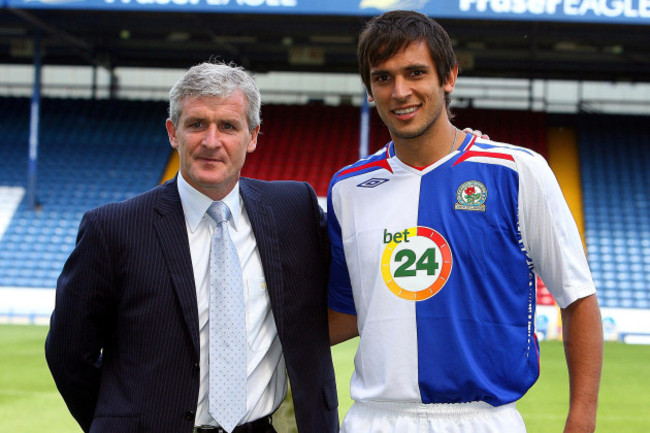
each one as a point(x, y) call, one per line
point(220, 80)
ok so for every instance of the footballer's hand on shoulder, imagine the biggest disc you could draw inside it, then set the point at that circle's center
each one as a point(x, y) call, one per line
point(476, 132)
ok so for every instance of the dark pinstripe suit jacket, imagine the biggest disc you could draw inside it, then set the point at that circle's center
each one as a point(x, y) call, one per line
point(123, 345)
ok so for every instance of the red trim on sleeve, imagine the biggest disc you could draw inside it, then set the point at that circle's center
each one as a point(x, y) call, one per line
point(381, 164)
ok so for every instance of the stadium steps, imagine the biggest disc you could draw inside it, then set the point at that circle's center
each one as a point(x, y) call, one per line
point(90, 153)
point(89, 145)
point(615, 160)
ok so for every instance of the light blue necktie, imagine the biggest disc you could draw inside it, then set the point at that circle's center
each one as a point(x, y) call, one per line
point(227, 395)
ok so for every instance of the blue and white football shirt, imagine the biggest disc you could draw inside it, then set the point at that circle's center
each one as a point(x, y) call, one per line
point(439, 265)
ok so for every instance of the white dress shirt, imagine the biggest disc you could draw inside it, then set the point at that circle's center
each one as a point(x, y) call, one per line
point(266, 369)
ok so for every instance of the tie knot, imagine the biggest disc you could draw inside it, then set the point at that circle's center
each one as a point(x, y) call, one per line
point(219, 212)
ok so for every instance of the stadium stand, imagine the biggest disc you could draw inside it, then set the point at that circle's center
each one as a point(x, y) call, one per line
point(615, 161)
point(91, 152)
point(312, 142)
point(94, 152)
point(309, 143)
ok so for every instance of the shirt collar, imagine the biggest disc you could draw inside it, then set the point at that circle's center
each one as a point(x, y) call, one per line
point(195, 203)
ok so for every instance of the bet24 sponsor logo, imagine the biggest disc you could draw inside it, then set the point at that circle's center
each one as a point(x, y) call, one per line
point(416, 262)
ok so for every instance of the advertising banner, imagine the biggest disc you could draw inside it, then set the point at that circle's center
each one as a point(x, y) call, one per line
point(595, 11)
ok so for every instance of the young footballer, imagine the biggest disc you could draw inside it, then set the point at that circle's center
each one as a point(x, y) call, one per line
point(437, 242)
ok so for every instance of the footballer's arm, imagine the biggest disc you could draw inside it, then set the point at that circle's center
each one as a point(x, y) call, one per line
point(582, 333)
point(342, 326)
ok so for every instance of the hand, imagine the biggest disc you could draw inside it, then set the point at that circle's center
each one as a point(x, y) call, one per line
point(476, 132)
point(583, 425)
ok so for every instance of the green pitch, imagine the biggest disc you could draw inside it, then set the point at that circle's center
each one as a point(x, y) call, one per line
point(29, 401)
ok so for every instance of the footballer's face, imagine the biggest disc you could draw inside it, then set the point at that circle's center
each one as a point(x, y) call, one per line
point(408, 94)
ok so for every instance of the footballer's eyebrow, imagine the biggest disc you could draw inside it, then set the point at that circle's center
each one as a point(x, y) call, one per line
point(417, 67)
point(412, 67)
point(378, 72)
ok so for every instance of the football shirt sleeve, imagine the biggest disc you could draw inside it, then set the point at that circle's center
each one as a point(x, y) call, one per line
point(550, 233)
point(339, 291)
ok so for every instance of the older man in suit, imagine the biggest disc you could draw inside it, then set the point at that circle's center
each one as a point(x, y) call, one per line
point(129, 344)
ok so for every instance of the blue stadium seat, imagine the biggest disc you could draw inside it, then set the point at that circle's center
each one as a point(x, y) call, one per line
point(90, 153)
point(614, 161)
point(94, 152)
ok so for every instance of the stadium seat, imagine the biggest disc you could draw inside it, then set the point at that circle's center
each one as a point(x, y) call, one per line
point(614, 161)
point(97, 151)
point(90, 153)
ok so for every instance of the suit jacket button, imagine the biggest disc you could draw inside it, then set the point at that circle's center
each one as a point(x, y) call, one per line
point(189, 415)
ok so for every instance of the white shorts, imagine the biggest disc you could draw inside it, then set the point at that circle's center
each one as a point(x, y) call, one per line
point(392, 417)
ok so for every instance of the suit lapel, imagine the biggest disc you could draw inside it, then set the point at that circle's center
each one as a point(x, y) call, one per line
point(169, 223)
point(262, 217)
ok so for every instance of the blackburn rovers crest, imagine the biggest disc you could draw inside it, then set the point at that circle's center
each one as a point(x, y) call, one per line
point(471, 195)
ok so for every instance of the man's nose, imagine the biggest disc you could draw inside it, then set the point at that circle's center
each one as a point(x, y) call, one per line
point(212, 137)
point(401, 88)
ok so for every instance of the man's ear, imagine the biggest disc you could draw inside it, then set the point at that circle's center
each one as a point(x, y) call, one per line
point(450, 82)
point(252, 144)
point(171, 133)
point(370, 97)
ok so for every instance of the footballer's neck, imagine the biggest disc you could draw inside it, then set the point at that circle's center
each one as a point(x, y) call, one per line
point(430, 147)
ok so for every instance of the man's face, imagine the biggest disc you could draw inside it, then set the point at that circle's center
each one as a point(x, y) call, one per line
point(408, 94)
point(212, 138)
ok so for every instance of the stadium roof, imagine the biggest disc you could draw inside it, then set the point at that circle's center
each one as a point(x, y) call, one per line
point(568, 39)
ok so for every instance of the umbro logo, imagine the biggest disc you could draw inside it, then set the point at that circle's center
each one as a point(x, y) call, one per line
point(373, 182)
